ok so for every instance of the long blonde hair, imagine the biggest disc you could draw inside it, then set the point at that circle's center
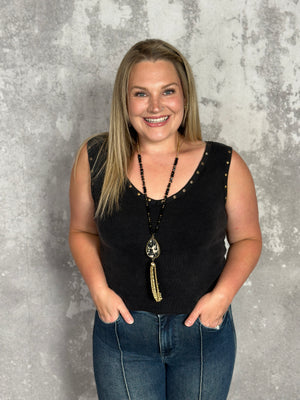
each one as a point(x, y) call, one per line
point(121, 140)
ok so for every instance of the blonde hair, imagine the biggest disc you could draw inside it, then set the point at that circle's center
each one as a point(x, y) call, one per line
point(121, 140)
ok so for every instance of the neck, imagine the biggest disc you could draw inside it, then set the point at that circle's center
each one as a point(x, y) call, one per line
point(169, 147)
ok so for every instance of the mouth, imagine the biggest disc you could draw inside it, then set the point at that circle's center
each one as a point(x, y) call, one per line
point(157, 120)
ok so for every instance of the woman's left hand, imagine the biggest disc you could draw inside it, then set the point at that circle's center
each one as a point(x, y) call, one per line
point(210, 309)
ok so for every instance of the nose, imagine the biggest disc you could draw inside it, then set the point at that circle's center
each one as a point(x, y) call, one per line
point(155, 104)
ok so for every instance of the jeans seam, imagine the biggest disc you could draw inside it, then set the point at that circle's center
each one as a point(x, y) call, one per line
point(201, 362)
point(159, 339)
point(233, 327)
point(122, 362)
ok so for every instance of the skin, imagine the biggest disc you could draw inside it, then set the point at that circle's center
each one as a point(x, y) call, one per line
point(155, 93)
point(155, 108)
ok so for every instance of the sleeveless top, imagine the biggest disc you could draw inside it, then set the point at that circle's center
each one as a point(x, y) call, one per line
point(191, 236)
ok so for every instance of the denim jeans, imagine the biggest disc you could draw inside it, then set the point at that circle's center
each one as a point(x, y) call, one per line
point(159, 358)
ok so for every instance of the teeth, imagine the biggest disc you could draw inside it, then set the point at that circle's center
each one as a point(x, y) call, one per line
point(156, 120)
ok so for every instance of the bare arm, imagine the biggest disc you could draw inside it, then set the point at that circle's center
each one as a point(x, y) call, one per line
point(84, 244)
point(244, 237)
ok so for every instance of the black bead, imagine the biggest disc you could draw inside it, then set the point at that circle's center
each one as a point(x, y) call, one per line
point(147, 200)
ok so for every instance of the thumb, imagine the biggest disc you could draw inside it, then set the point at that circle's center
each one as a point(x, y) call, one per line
point(192, 318)
point(128, 318)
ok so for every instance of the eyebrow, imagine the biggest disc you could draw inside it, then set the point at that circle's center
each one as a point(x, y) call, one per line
point(164, 87)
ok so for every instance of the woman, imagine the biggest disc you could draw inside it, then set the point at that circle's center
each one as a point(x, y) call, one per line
point(151, 204)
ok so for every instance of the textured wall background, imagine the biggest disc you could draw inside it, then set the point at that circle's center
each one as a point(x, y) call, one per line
point(58, 61)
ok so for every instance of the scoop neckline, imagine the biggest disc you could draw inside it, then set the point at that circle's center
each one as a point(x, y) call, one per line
point(185, 188)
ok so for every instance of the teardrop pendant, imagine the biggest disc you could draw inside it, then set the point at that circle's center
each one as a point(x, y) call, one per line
point(154, 283)
point(152, 248)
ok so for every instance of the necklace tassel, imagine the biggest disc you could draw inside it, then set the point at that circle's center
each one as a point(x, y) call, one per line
point(154, 283)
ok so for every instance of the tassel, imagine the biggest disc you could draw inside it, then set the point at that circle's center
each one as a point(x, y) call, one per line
point(154, 283)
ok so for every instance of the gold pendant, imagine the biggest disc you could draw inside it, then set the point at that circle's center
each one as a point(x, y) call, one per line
point(153, 251)
point(154, 283)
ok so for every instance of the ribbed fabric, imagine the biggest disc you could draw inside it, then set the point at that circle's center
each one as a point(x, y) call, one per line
point(191, 236)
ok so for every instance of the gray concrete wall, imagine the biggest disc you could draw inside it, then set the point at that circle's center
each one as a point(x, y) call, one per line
point(57, 64)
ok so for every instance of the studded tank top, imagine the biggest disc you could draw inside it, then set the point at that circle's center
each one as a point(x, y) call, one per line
point(191, 235)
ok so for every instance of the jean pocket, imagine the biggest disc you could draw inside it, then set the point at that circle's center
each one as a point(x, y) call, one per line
point(217, 328)
point(107, 323)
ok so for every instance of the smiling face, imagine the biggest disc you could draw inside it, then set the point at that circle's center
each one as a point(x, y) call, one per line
point(155, 100)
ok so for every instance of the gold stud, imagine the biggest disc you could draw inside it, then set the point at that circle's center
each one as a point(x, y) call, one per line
point(174, 197)
point(197, 172)
point(202, 163)
point(227, 162)
point(184, 190)
point(226, 174)
point(191, 182)
point(225, 186)
point(138, 193)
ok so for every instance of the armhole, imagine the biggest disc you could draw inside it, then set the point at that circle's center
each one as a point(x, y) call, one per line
point(228, 154)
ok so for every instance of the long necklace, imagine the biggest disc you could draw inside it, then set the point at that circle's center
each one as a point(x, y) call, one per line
point(152, 246)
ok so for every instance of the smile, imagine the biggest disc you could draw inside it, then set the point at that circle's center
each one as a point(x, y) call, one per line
point(156, 120)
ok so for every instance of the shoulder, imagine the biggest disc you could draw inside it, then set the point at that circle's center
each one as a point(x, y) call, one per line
point(241, 188)
point(96, 143)
point(97, 140)
point(96, 148)
point(88, 153)
point(219, 147)
point(80, 171)
point(219, 155)
point(235, 163)
point(239, 173)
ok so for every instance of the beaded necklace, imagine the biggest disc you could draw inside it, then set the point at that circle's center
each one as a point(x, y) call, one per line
point(152, 246)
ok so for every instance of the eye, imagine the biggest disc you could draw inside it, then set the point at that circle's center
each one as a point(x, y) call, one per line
point(167, 92)
point(139, 94)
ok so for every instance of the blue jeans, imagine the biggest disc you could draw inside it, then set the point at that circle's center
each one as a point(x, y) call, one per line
point(159, 358)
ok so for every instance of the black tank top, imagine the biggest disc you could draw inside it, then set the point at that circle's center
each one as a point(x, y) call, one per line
point(191, 236)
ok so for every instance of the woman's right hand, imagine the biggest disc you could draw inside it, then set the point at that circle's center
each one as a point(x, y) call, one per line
point(85, 246)
point(110, 306)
